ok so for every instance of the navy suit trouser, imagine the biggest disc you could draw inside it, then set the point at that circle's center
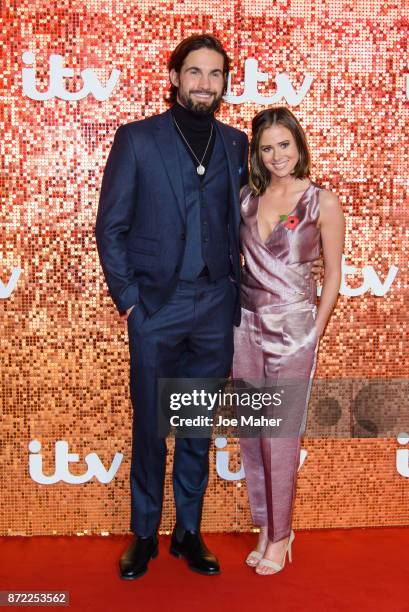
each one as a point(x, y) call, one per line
point(191, 336)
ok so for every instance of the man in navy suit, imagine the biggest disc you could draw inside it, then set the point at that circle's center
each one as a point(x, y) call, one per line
point(168, 239)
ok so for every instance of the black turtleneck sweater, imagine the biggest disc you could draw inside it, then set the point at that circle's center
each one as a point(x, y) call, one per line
point(196, 129)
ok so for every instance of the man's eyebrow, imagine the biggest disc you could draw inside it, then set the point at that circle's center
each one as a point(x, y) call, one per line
point(200, 70)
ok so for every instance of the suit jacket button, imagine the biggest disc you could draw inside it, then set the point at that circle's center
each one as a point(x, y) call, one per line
point(177, 269)
point(183, 236)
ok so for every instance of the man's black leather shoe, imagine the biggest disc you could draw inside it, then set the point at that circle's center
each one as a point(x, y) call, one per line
point(134, 561)
point(190, 546)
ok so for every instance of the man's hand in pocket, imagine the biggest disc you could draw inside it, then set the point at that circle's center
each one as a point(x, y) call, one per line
point(128, 312)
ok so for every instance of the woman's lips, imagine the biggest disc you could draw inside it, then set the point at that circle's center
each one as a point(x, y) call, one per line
point(279, 165)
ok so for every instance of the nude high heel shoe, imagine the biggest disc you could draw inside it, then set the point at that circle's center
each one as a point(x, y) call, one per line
point(254, 558)
point(272, 564)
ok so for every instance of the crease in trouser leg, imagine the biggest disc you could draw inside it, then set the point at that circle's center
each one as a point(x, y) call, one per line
point(280, 459)
point(250, 449)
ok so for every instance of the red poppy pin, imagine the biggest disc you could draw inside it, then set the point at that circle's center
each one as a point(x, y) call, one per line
point(291, 221)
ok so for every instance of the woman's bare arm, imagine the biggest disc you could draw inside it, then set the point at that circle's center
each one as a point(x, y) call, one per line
point(332, 225)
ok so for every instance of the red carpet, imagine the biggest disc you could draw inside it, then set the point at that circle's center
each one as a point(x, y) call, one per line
point(348, 569)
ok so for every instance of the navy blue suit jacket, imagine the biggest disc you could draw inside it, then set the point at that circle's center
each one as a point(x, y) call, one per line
point(140, 223)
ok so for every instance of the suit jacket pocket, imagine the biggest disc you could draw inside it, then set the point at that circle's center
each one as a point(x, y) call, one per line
point(140, 244)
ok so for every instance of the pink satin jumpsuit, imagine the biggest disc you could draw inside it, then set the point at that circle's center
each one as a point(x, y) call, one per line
point(277, 341)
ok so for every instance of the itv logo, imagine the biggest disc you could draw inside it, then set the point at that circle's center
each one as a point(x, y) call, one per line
point(223, 458)
point(7, 289)
point(62, 470)
point(56, 85)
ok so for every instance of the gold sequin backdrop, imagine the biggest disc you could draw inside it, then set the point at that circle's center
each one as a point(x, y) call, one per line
point(64, 353)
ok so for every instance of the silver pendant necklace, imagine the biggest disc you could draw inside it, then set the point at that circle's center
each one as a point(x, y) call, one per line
point(200, 168)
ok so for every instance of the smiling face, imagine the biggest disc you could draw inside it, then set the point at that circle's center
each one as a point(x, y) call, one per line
point(278, 150)
point(200, 81)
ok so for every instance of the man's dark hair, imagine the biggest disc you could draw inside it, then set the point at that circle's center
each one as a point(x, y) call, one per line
point(194, 43)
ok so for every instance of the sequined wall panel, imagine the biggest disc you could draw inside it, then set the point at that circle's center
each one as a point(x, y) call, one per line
point(64, 357)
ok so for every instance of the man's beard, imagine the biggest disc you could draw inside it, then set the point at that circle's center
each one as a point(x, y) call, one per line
point(200, 108)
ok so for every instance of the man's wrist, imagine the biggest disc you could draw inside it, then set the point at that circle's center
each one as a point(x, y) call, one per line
point(126, 311)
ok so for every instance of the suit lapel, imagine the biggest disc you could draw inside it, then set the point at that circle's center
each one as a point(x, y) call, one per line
point(230, 146)
point(165, 137)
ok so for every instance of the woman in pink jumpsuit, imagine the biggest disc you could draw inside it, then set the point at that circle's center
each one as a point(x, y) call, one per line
point(286, 221)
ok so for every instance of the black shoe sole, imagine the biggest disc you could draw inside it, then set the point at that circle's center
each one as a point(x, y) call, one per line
point(153, 556)
point(133, 577)
point(179, 555)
